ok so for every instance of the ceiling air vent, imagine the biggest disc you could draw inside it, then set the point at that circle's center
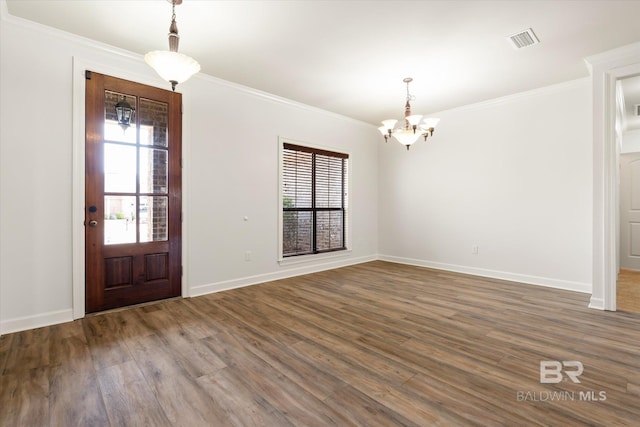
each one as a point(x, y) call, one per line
point(524, 38)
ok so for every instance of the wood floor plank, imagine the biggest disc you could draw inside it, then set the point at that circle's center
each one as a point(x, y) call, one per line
point(241, 405)
point(238, 309)
point(128, 398)
point(108, 347)
point(185, 349)
point(350, 322)
point(466, 407)
point(283, 394)
point(355, 408)
point(24, 397)
point(6, 342)
point(417, 409)
point(373, 344)
point(75, 398)
point(190, 320)
point(29, 350)
point(187, 404)
point(131, 323)
point(628, 291)
point(285, 360)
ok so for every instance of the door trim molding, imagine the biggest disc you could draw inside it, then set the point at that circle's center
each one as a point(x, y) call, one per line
point(78, 174)
point(606, 68)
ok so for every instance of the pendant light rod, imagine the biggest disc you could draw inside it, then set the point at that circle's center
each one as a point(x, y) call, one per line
point(174, 38)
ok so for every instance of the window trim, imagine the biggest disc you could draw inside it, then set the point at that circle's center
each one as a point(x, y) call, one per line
point(282, 144)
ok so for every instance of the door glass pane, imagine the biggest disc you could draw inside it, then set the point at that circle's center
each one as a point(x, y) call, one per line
point(153, 218)
point(153, 170)
point(112, 130)
point(154, 118)
point(119, 219)
point(119, 168)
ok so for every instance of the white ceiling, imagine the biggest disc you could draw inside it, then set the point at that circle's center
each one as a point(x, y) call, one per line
point(350, 57)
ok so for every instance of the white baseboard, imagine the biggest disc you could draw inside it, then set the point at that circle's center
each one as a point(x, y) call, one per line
point(62, 316)
point(282, 274)
point(494, 274)
point(597, 303)
point(36, 321)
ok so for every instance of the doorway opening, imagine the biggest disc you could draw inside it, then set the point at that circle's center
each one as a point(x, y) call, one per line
point(628, 146)
point(606, 69)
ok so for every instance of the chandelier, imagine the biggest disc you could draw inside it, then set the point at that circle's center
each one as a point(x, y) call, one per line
point(412, 129)
point(172, 66)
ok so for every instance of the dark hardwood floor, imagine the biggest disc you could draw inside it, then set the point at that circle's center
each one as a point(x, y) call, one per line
point(376, 344)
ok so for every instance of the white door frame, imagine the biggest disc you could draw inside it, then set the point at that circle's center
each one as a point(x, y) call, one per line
point(606, 69)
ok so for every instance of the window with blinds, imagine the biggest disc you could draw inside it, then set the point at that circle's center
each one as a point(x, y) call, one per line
point(314, 200)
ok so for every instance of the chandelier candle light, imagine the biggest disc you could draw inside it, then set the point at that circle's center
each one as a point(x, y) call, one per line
point(412, 129)
point(172, 66)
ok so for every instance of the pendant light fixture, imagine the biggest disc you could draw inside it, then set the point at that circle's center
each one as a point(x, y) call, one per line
point(172, 66)
point(412, 129)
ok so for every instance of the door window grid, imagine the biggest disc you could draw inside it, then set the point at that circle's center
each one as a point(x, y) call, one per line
point(136, 172)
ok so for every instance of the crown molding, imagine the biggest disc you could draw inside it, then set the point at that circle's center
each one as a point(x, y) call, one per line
point(277, 99)
point(6, 17)
point(610, 57)
point(544, 90)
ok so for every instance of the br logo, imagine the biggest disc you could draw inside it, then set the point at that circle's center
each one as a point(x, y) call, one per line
point(551, 371)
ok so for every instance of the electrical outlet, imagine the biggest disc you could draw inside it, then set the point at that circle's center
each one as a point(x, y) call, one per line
point(247, 256)
point(474, 250)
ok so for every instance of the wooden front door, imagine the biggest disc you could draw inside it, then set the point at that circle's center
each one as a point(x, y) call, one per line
point(133, 194)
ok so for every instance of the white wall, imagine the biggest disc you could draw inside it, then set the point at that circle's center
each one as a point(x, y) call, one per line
point(512, 176)
point(234, 174)
point(230, 172)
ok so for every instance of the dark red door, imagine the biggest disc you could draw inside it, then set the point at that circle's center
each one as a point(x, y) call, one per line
point(133, 194)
